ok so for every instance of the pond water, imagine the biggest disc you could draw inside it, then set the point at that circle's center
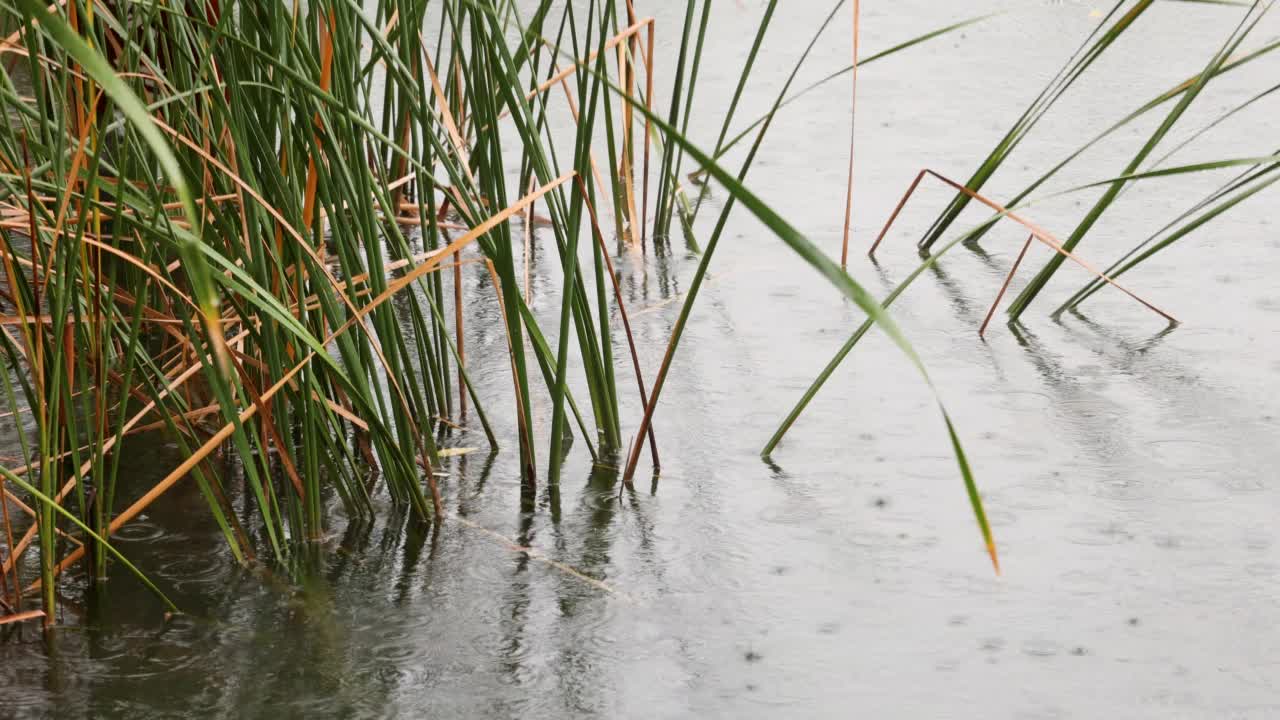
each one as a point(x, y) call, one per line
point(1129, 469)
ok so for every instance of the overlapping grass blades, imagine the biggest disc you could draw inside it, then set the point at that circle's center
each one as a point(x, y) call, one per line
point(241, 225)
point(1250, 20)
point(1252, 181)
point(1258, 175)
point(271, 112)
point(1157, 101)
point(1103, 36)
point(816, 259)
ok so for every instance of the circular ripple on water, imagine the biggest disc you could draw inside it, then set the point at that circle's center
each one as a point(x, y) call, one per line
point(589, 630)
point(1044, 493)
point(25, 701)
point(487, 560)
point(1175, 542)
point(1041, 648)
point(391, 656)
point(1085, 582)
point(1195, 487)
point(971, 584)
point(138, 531)
point(23, 661)
point(141, 655)
point(892, 542)
point(713, 556)
point(792, 512)
point(194, 571)
point(542, 612)
point(1098, 533)
point(1236, 482)
point(1188, 454)
point(1128, 488)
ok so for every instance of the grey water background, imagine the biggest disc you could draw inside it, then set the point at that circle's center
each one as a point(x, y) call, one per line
point(1129, 469)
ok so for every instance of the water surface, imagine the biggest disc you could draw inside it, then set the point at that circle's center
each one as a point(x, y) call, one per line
point(1129, 469)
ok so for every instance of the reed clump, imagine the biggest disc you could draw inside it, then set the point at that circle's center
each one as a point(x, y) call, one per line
point(243, 226)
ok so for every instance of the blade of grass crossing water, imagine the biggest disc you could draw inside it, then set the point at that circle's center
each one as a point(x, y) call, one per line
point(1029, 293)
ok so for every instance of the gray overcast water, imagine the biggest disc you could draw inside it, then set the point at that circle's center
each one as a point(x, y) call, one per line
point(1129, 470)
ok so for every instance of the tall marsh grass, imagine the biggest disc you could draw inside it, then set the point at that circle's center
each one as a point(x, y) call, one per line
point(242, 225)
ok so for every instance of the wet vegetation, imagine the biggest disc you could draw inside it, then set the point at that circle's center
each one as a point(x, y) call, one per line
point(243, 227)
